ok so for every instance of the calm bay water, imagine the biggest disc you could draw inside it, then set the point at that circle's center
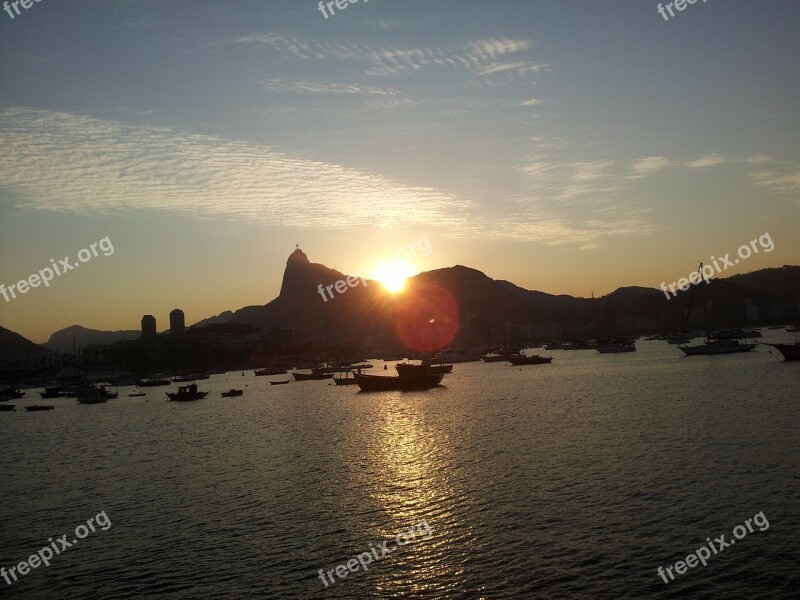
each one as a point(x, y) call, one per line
point(571, 480)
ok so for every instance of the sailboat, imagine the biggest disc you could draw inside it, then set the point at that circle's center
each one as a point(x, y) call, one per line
point(712, 345)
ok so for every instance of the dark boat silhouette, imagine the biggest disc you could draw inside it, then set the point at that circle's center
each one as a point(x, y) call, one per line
point(35, 407)
point(279, 382)
point(529, 360)
point(269, 371)
point(409, 377)
point(311, 376)
point(789, 351)
point(186, 393)
point(232, 393)
point(7, 407)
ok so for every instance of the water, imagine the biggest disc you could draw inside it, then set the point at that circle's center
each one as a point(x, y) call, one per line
point(571, 480)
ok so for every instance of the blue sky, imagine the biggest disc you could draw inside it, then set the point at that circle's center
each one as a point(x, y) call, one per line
point(568, 146)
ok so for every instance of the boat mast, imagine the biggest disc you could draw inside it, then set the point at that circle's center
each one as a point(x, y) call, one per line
point(684, 332)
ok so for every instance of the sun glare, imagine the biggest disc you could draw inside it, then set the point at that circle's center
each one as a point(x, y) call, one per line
point(393, 274)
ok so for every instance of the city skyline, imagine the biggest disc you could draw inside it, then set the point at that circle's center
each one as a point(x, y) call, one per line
point(568, 148)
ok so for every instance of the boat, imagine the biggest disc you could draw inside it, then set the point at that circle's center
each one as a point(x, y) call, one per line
point(94, 394)
point(409, 377)
point(789, 351)
point(232, 393)
point(536, 359)
point(616, 346)
point(51, 392)
point(489, 358)
point(186, 393)
point(10, 393)
point(712, 346)
point(35, 407)
point(190, 378)
point(270, 371)
point(137, 394)
point(279, 382)
point(154, 382)
point(7, 407)
point(345, 378)
point(311, 376)
point(555, 345)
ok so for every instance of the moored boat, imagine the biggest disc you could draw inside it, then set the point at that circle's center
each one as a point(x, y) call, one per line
point(36, 407)
point(232, 393)
point(311, 376)
point(345, 378)
point(269, 371)
point(727, 346)
point(51, 392)
point(154, 382)
point(7, 407)
point(536, 359)
point(284, 382)
point(409, 377)
point(789, 351)
point(186, 393)
point(10, 393)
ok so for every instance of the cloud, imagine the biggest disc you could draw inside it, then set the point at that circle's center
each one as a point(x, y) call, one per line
point(709, 160)
point(483, 58)
point(327, 88)
point(67, 163)
point(83, 165)
point(531, 102)
point(649, 165)
point(783, 183)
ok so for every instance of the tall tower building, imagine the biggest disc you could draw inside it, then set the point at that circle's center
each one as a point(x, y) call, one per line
point(148, 326)
point(177, 322)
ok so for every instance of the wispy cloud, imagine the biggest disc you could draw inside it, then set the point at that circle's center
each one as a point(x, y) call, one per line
point(312, 87)
point(709, 160)
point(483, 58)
point(649, 165)
point(89, 166)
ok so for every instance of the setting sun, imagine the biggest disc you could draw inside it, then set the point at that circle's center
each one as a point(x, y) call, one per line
point(393, 274)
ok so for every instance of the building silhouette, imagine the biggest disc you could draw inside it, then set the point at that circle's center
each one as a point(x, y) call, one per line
point(148, 326)
point(177, 322)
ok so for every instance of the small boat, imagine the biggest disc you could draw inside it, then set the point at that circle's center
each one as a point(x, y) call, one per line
point(186, 393)
point(521, 359)
point(190, 378)
point(409, 377)
point(269, 371)
point(789, 351)
point(710, 347)
point(311, 376)
point(94, 394)
point(555, 345)
point(35, 407)
point(435, 367)
point(7, 407)
point(10, 393)
point(154, 382)
point(489, 358)
point(232, 393)
point(616, 346)
point(279, 382)
point(345, 378)
point(137, 394)
point(51, 392)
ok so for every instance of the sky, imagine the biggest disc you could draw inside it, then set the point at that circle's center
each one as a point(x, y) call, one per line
point(568, 146)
